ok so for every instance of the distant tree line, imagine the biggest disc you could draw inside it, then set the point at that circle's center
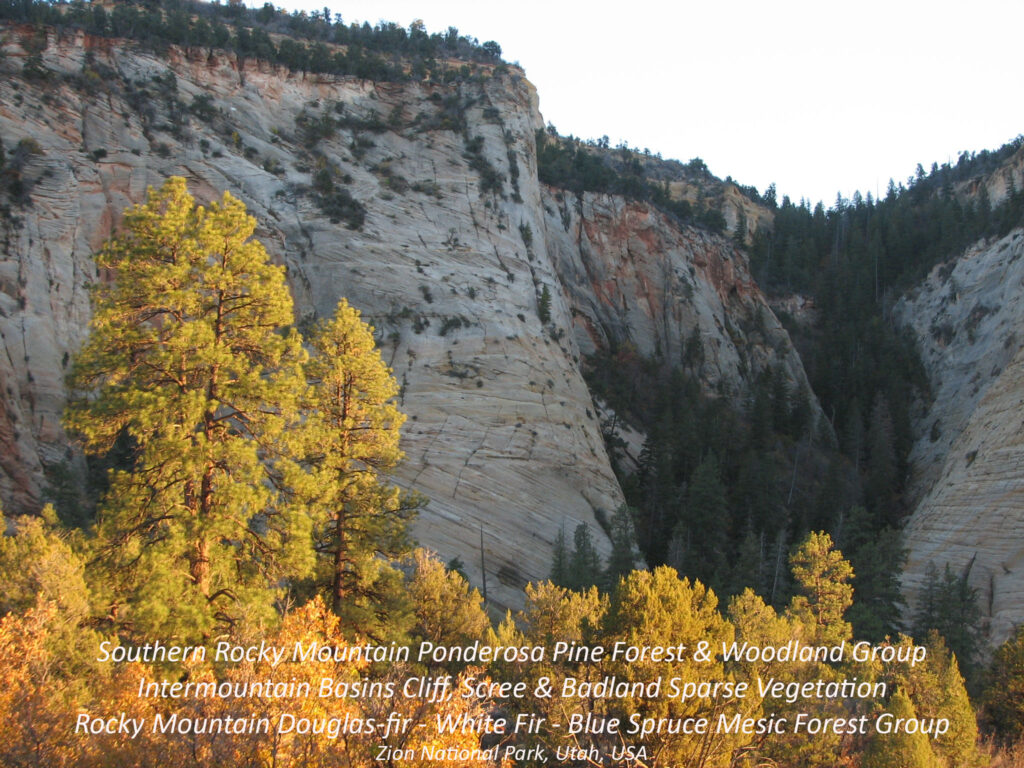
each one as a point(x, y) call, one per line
point(721, 493)
point(855, 259)
point(300, 41)
point(569, 164)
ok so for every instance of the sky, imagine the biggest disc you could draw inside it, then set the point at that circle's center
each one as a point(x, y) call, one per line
point(821, 98)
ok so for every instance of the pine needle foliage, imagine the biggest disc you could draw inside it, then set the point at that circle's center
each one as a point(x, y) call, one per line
point(189, 361)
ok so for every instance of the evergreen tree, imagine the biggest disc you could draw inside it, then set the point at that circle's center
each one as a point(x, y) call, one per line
point(187, 361)
point(657, 607)
point(748, 569)
point(446, 610)
point(37, 565)
point(706, 520)
point(959, 745)
point(740, 234)
point(816, 612)
point(901, 749)
point(349, 439)
point(949, 605)
point(1004, 699)
point(560, 560)
point(623, 557)
point(880, 487)
point(877, 559)
point(544, 306)
point(824, 593)
point(584, 563)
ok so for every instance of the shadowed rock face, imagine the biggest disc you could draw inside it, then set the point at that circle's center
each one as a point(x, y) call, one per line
point(969, 458)
point(458, 244)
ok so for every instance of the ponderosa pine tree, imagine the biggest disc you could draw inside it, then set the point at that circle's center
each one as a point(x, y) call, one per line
point(188, 361)
point(348, 438)
point(824, 591)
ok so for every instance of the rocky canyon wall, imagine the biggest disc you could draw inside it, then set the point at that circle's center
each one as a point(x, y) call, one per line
point(968, 460)
point(457, 244)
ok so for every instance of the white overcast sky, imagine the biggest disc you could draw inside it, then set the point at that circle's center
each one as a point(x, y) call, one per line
point(817, 96)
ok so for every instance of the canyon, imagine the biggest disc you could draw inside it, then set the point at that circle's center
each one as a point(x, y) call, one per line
point(457, 246)
point(488, 291)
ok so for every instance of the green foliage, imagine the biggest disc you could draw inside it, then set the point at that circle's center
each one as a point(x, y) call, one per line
point(623, 558)
point(853, 259)
point(776, 479)
point(491, 181)
point(242, 466)
point(959, 745)
point(446, 611)
point(314, 128)
point(900, 750)
point(877, 557)
point(700, 538)
point(560, 560)
point(658, 608)
point(949, 605)
point(338, 205)
point(824, 594)
point(544, 306)
point(14, 188)
point(568, 164)
point(347, 441)
point(300, 41)
point(1004, 699)
point(37, 565)
point(584, 562)
point(185, 358)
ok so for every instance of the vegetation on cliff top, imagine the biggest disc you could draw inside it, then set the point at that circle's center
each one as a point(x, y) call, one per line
point(313, 42)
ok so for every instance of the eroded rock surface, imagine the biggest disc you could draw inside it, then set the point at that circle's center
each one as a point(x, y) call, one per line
point(458, 243)
point(969, 457)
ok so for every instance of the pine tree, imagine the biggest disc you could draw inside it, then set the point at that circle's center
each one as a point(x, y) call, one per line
point(584, 563)
point(822, 577)
point(187, 361)
point(901, 749)
point(348, 440)
point(560, 560)
point(1004, 700)
point(657, 607)
point(38, 565)
point(623, 557)
point(706, 520)
point(446, 610)
point(544, 305)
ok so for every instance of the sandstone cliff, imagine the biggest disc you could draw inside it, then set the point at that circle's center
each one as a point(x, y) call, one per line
point(457, 243)
point(969, 458)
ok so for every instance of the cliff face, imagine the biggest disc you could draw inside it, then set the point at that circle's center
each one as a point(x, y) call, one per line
point(969, 458)
point(998, 184)
point(630, 276)
point(459, 242)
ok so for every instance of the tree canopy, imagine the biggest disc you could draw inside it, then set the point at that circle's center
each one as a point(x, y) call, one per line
point(251, 466)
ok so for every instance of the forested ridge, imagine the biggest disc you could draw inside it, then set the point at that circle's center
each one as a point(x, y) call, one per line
point(316, 42)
